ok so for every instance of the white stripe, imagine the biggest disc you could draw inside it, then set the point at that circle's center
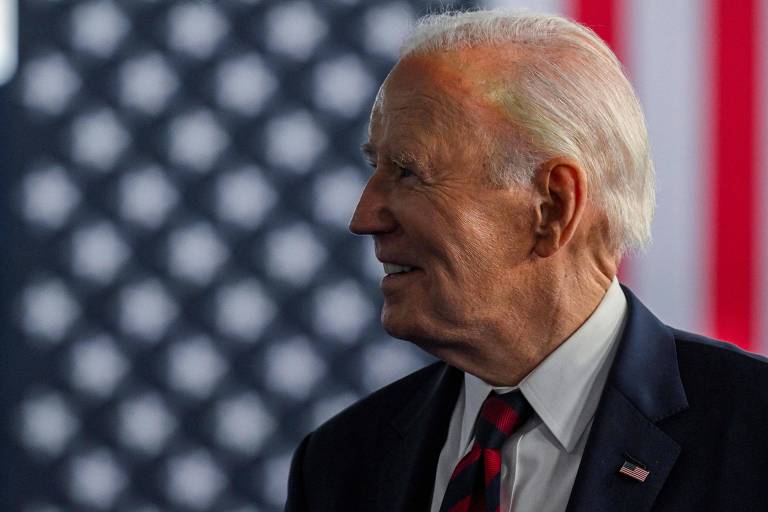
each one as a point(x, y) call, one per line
point(665, 49)
point(761, 312)
point(9, 47)
point(542, 6)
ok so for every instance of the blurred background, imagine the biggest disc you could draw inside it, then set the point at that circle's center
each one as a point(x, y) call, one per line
point(184, 302)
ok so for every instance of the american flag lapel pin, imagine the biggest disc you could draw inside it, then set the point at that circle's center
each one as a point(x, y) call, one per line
point(634, 469)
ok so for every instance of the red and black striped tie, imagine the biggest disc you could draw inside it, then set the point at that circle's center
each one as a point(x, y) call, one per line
point(475, 484)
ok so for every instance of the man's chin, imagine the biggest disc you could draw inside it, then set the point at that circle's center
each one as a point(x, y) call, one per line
point(408, 328)
point(394, 328)
point(399, 325)
point(424, 341)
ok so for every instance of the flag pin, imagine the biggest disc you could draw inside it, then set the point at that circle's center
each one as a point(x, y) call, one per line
point(634, 470)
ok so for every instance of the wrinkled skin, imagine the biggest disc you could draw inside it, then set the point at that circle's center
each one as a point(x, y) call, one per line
point(502, 275)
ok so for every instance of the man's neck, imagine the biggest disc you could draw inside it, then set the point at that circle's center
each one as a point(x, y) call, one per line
point(523, 343)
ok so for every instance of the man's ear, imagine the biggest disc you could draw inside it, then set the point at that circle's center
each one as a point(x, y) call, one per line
point(561, 187)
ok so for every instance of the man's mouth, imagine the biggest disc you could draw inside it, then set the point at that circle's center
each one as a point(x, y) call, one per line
point(393, 268)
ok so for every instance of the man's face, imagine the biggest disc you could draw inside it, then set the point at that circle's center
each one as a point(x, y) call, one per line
point(429, 206)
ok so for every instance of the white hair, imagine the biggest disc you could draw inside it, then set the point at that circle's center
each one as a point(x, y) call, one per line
point(569, 98)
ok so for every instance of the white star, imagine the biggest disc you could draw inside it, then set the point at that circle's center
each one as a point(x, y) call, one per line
point(48, 83)
point(343, 85)
point(98, 27)
point(293, 367)
point(47, 424)
point(387, 360)
point(196, 28)
point(147, 82)
point(49, 196)
point(276, 470)
point(98, 139)
point(244, 84)
point(295, 29)
point(386, 27)
point(146, 310)
point(145, 423)
point(194, 480)
point(327, 408)
point(342, 311)
point(195, 366)
point(48, 310)
point(96, 479)
point(243, 310)
point(98, 252)
point(336, 194)
point(146, 196)
point(243, 423)
point(97, 366)
point(196, 139)
point(195, 253)
point(294, 254)
point(295, 141)
point(244, 197)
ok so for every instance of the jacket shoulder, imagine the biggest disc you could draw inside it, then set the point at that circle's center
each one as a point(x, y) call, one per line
point(721, 369)
point(340, 459)
point(385, 402)
point(722, 431)
point(690, 343)
point(338, 466)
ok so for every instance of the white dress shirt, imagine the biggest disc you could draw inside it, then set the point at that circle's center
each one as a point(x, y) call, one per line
point(540, 460)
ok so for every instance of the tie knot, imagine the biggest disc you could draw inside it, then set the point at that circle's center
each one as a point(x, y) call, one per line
point(499, 417)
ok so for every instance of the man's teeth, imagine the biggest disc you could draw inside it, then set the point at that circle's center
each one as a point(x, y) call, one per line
point(391, 268)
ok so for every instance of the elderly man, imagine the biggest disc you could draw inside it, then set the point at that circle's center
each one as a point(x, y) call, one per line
point(511, 172)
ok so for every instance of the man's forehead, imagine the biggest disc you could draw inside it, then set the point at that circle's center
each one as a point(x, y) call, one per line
point(468, 78)
point(433, 72)
point(472, 65)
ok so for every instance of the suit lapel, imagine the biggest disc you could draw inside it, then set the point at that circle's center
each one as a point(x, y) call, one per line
point(643, 388)
point(620, 432)
point(413, 443)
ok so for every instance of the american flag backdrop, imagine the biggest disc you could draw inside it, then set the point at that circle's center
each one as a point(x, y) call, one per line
point(700, 68)
point(184, 301)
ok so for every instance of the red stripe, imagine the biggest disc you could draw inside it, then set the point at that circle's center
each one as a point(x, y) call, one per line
point(498, 413)
point(602, 16)
point(605, 18)
point(733, 176)
point(463, 505)
point(638, 474)
point(468, 460)
point(492, 463)
point(760, 323)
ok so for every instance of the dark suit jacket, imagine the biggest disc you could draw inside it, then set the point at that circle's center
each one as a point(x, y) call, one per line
point(693, 410)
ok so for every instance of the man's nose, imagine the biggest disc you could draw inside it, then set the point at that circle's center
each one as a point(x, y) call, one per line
point(372, 215)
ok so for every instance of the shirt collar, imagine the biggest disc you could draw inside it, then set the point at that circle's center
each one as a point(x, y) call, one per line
point(565, 388)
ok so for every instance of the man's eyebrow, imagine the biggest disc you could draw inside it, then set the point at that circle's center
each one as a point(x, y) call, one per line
point(367, 149)
point(401, 159)
point(404, 159)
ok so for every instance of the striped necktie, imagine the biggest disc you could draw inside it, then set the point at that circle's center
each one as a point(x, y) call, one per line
point(475, 484)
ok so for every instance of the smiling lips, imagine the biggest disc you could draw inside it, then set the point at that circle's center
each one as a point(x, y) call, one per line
point(394, 268)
